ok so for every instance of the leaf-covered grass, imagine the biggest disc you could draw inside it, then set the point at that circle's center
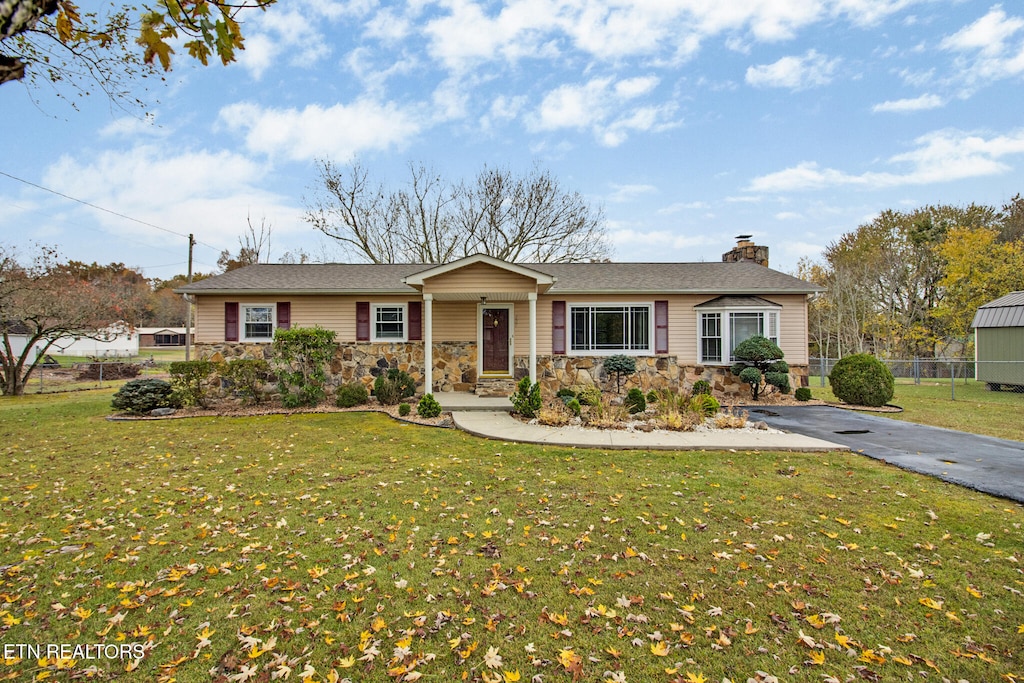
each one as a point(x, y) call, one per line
point(346, 545)
point(975, 409)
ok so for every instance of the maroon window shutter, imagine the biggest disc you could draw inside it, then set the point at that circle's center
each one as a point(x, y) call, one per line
point(362, 321)
point(557, 327)
point(415, 321)
point(284, 315)
point(230, 321)
point(661, 327)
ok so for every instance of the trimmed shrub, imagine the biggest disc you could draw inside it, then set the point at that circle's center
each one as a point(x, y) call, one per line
point(351, 395)
point(565, 394)
point(191, 380)
point(803, 394)
point(701, 386)
point(635, 401)
point(652, 396)
point(392, 386)
point(248, 375)
point(139, 396)
point(428, 406)
point(862, 379)
point(301, 355)
point(404, 409)
point(526, 400)
point(755, 357)
point(779, 380)
point(620, 366)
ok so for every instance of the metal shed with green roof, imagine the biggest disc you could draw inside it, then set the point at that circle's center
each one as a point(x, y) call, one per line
point(999, 342)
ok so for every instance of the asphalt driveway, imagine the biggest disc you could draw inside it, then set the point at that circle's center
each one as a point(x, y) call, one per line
point(983, 463)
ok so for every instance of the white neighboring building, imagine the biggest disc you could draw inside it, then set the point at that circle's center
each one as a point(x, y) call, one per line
point(123, 343)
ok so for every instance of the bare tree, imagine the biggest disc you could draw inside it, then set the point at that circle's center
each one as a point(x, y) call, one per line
point(253, 247)
point(514, 218)
point(44, 301)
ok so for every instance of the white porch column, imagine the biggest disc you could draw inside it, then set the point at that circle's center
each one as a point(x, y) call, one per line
point(533, 337)
point(428, 343)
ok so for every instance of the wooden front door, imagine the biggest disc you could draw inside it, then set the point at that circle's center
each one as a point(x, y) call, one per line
point(495, 354)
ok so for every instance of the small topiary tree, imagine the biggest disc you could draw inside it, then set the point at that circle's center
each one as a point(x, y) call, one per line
point(526, 400)
point(191, 381)
point(862, 379)
point(301, 355)
point(404, 409)
point(428, 406)
point(351, 395)
point(635, 401)
point(757, 359)
point(139, 396)
point(247, 375)
point(620, 366)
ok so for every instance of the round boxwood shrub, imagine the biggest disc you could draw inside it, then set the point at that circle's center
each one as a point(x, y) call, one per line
point(803, 394)
point(351, 395)
point(404, 409)
point(139, 396)
point(862, 379)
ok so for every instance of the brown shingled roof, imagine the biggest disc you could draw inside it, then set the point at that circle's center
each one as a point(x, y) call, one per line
point(571, 278)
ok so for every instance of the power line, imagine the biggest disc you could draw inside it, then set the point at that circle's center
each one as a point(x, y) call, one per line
point(100, 208)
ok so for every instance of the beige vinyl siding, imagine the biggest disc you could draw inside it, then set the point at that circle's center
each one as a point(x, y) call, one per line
point(793, 327)
point(454, 321)
point(478, 277)
point(336, 313)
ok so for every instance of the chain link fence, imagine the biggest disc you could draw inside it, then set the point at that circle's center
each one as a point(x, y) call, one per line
point(997, 375)
point(52, 376)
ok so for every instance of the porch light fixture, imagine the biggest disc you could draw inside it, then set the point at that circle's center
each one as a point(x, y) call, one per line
point(483, 300)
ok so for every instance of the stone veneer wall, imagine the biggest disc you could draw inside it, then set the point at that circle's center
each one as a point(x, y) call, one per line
point(455, 367)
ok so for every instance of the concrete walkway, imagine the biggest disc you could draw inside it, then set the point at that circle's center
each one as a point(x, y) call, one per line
point(503, 427)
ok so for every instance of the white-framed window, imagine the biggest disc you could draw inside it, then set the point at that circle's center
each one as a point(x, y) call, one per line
point(258, 322)
point(610, 328)
point(722, 331)
point(388, 322)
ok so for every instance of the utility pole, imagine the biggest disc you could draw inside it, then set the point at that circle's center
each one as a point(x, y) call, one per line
point(188, 301)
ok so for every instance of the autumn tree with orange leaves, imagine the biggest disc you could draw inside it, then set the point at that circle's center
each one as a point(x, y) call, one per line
point(110, 46)
point(44, 301)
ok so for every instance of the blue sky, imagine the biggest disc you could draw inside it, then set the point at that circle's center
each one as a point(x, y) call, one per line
point(689, 121)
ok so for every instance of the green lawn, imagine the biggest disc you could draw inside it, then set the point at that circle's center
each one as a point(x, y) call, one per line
point(347, 545)
point(968, 406)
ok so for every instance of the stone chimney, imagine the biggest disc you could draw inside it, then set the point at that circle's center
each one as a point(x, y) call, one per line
point(745, 250)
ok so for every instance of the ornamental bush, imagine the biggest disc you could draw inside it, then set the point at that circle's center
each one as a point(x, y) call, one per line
point(701, 386)
point(526, 400)
point(191, 381)
point(139, 396)
point(862, 379)
point(247, 376)
point(351, 395)
point(803, 394)
point(705, 405)
point(404, 409)
point(620, 366)
point(756, 358)
point(301, 355)
point(635, 401)
point(428, 406)
point(392, 386)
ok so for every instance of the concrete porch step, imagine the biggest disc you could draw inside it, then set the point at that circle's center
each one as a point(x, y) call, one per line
point(495, 386)
point(463, 401)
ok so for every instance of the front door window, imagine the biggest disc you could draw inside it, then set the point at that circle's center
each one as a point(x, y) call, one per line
point(495, 338)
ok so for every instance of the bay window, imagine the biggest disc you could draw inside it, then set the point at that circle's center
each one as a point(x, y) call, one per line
point(721, 331)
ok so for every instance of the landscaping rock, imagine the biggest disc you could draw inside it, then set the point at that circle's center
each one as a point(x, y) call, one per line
point(162, 412)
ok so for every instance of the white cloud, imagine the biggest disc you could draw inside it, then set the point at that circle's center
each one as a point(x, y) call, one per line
point(940, 157)
point(683, 206)
point(990, 49)
point(627, 193)
point(908, 105)
point(788, 216)
point(796, 73)
point(604, 106)
point(340, 131)
point(207, 193)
